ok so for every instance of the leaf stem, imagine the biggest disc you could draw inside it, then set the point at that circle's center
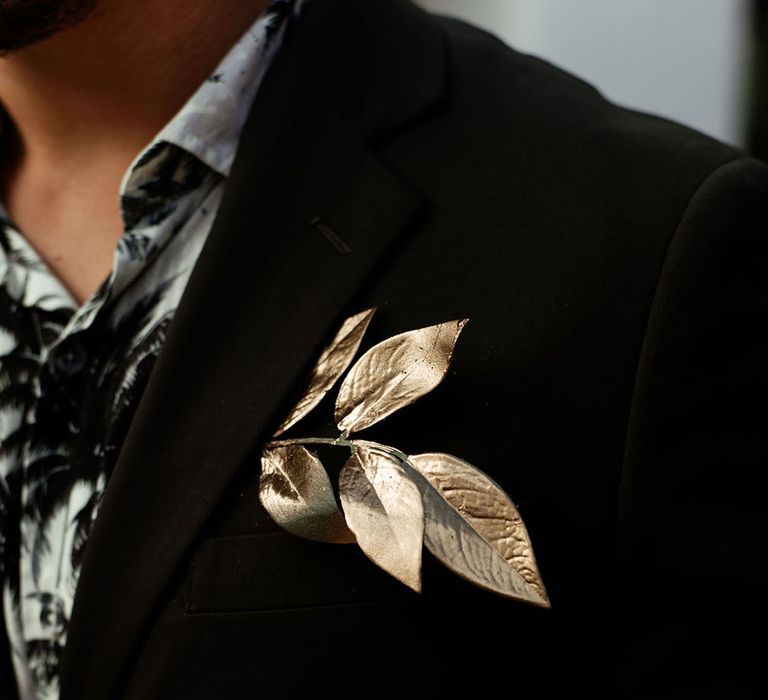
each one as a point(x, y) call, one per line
point(342, 441)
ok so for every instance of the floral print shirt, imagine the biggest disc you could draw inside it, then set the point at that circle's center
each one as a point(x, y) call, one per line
point(71, 375)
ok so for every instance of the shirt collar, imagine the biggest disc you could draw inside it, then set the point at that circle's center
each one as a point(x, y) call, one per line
point(209, 124)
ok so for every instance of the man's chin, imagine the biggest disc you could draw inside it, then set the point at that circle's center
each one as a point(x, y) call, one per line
point(27, 22)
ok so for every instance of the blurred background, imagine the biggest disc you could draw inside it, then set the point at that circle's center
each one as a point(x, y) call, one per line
point(700, 62)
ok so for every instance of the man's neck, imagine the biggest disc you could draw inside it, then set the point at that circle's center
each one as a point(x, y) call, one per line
point(120, 75)
point(81, 105)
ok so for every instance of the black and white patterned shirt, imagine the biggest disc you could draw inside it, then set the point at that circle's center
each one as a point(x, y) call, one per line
point(71, 376)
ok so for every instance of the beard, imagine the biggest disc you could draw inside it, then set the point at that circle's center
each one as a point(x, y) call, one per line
point(25, 22)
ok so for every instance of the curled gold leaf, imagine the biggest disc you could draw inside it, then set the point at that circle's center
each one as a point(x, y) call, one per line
point(295, 490)
point(473, 527)
point(383, 508)
point(395, 373)
point(331, 365)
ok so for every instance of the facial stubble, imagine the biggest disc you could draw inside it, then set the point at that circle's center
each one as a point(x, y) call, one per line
point(27, 22)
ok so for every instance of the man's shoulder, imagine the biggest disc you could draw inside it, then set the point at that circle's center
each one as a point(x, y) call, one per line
point(468, 121)
point(527, 106)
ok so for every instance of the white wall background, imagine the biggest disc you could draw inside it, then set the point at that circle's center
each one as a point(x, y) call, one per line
point(684, 59)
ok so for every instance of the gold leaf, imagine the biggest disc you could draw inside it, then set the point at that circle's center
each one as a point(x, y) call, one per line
point(331, 365)
point(383, 508)
point(395, 373)
point(474, 528)
point(295, 490)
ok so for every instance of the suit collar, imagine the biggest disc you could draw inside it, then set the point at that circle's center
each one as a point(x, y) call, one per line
point(381, 63)
point(258, 307)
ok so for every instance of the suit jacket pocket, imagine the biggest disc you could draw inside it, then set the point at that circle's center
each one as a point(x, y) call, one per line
point(276, 570)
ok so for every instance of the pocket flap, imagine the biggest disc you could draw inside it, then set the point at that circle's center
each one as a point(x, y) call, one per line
point(277, 570)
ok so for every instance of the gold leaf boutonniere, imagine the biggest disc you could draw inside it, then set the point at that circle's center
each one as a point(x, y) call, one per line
point(393, 504)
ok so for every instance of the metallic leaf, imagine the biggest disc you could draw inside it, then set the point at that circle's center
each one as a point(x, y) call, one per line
point(474, 528)
point(383, 508)
point(331, 365)
point(295, 490)
point(395, 373)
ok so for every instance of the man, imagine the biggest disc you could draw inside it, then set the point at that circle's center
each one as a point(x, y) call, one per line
point(342, 156)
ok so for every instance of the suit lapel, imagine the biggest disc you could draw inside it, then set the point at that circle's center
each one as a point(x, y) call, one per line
point(264, 296)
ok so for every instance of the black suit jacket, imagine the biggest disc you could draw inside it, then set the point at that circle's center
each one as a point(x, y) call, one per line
point(611, 379)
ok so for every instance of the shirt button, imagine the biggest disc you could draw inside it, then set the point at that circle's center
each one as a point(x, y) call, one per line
point(70, 359)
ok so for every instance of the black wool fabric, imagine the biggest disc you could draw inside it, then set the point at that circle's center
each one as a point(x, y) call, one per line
point(612, 266)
